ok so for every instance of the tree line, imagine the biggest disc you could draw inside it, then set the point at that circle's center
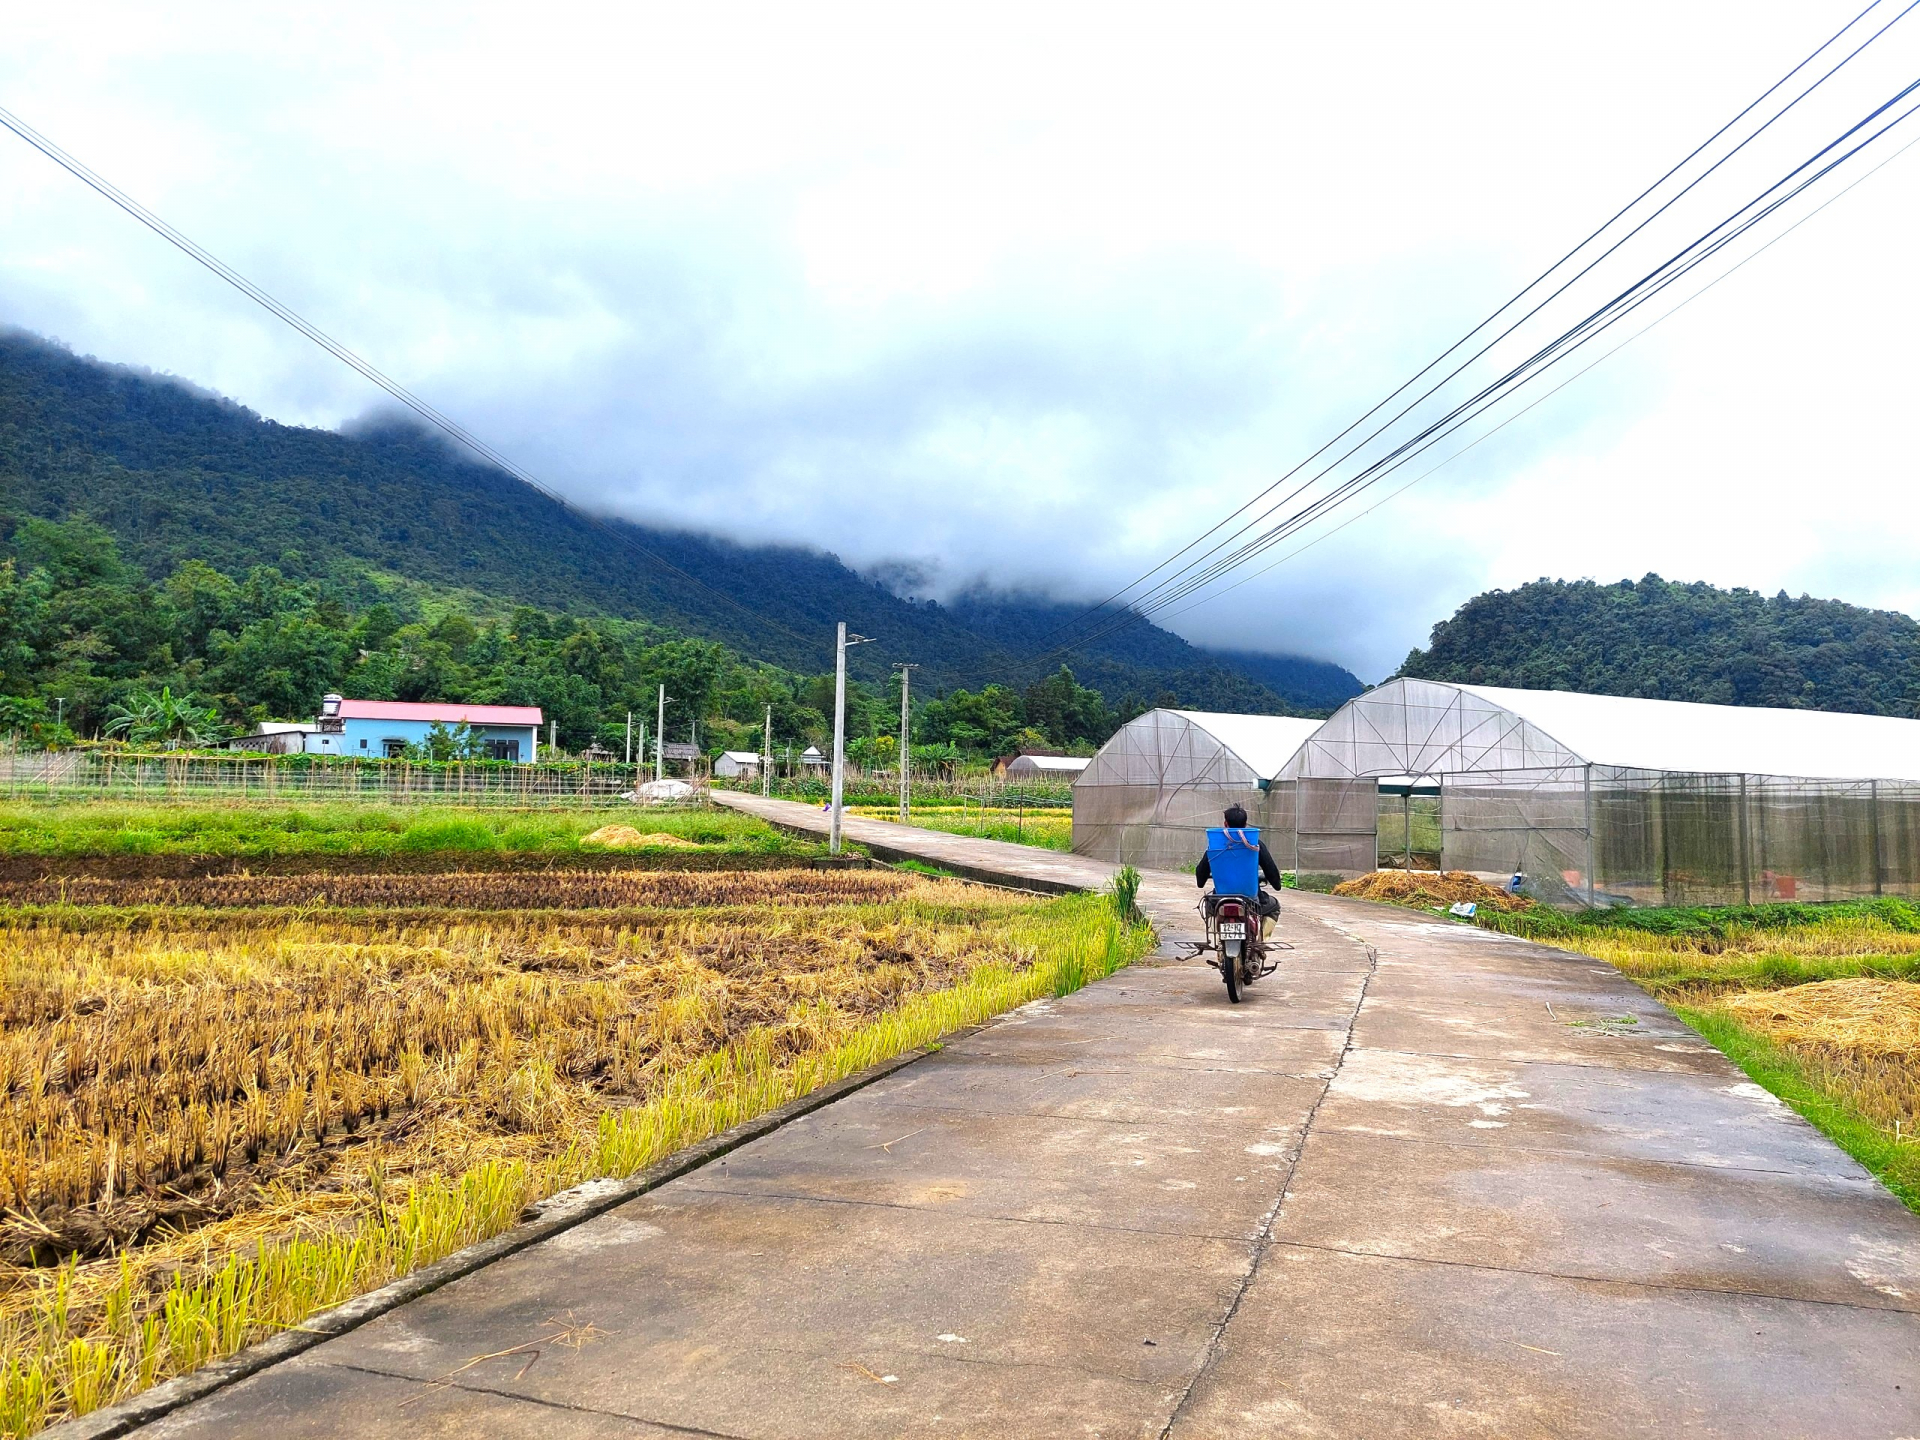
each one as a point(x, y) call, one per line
point(90, 647)
point(1665, 640)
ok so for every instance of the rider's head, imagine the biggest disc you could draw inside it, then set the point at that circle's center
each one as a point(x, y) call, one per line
point(1235, 817)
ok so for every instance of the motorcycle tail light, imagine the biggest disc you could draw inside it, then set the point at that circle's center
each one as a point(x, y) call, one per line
point(1230, 912)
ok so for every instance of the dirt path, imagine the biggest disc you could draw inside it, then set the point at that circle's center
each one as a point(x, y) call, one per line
point(1427, 1181)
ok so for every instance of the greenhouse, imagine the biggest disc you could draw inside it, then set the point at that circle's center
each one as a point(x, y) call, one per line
point(1606, 800)
point(1150, 793)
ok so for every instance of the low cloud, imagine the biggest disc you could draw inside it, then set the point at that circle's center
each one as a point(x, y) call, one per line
point(970, 312)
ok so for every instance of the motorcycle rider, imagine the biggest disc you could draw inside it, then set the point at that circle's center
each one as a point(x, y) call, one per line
point(1238, 833)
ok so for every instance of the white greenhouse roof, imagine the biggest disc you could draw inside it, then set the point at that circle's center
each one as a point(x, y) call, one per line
point(1264, 742)
point(1726, 739)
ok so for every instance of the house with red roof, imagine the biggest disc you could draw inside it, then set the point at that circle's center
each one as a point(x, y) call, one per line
point(376, 729)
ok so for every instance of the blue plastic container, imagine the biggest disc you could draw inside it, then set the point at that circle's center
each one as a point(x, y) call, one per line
point(1234, 856)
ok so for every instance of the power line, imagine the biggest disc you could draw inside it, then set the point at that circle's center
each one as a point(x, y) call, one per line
point(1555, 295)
point(413, 402)
point(1682, 262)
point(1532, 405)
point(1637, 294)
point(1173, 579)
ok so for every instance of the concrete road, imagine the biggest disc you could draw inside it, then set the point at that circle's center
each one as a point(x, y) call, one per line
point(1426, 1181)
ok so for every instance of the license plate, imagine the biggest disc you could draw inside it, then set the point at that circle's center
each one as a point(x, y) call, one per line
point(1233, 930)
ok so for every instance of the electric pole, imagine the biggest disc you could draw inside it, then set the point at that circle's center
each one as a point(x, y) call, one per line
point(629, 737)
point(766, 758)
point(906, 719)
point(660, 739)
point(841, 642)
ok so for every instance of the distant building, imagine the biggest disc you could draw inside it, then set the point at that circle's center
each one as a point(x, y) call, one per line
point(1045, 767)
point(999, 766)
point(377, 729)
point(735, 764)
point(275, 737)
point(811, 756)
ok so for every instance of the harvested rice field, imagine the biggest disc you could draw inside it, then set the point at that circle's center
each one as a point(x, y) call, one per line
point(234, 1100)
point(460, 890)
point(1819, 1003)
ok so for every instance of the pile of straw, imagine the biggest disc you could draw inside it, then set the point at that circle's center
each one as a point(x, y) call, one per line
point(1429, 889)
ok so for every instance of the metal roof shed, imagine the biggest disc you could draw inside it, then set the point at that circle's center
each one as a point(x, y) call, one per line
point(1149, 794)
point(1045, 767)
point(1611, 799)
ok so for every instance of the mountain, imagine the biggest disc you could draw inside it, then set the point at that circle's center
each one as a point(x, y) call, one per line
point(1314, 684)
point(1672, 641)
point(175, 473)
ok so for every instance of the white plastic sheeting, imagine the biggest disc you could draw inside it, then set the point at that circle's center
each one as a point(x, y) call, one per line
point(1429, 727)
point(1150, 793)
point(1604, 799)
point(1752, 740)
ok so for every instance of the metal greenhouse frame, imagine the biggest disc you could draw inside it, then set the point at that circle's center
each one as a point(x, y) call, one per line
point(1606, 800)
point(1150, 793)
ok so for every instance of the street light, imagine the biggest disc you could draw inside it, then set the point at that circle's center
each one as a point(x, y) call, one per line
point(842, 641)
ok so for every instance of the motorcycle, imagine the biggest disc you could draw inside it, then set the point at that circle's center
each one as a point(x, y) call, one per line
point(1233, 935)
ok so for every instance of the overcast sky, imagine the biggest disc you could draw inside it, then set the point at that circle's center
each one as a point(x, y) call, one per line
point(1022, 295)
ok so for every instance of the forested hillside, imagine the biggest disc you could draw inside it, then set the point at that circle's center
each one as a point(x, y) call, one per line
point(175, 475)
point(89, 646)
point(1672, 641)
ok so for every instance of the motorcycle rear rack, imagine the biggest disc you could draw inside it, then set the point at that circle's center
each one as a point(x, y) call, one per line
point(1199, 949)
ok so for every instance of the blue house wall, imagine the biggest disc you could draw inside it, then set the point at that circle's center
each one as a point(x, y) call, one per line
point(371, 739)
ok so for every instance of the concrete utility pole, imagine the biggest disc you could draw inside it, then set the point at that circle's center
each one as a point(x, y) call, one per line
point(766, 757)
point(629, 737)
point(660, 739)
point(906, 719)
point(553, 735)
point(841, 642)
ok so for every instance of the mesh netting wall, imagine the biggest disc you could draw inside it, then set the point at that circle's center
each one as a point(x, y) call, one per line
point(1154, 789)
point(1665, 838)
point(1529, 821)
point(1670, 838)
point(1336, 830)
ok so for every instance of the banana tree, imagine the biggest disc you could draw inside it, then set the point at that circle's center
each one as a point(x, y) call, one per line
point(149, 718)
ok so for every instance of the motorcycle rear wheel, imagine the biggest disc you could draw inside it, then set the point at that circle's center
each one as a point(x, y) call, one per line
point(1230, 968)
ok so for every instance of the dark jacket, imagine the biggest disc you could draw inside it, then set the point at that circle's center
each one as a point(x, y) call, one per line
point(1269, 872)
